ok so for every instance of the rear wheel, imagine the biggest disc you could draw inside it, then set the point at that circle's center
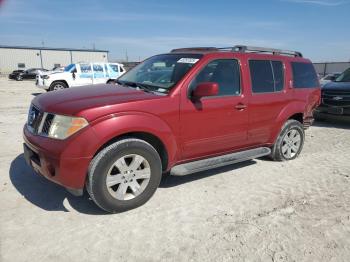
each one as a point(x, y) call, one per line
point(58, 85)
point(290, 141)
point(124, 175)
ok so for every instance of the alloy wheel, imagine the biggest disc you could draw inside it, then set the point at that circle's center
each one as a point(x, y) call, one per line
point(128, 177)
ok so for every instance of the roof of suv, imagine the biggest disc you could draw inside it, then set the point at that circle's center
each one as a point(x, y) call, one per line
point(239, 49)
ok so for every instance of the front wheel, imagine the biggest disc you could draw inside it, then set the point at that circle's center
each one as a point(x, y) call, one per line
point(58, 85)
point(124, 175)
point(289, 142)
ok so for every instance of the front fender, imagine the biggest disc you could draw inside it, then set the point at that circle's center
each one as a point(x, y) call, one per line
point(112, 126)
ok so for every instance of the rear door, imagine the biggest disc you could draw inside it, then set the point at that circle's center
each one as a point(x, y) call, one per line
point(268, 97)
point(99, 75)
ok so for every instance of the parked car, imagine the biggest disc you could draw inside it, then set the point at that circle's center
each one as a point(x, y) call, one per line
point(183, 112)
point(79, 75)
point(329, 78)
point(15, 74)
point(26, 74)
point(335, 98)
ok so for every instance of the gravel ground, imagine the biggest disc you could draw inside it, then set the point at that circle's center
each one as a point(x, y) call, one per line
point(254, 211)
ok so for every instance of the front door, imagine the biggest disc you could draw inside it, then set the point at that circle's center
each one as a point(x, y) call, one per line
point(216, 124)
point(83, 76)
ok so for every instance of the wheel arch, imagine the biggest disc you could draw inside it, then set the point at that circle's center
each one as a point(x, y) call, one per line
point(294, 111)
point(145, 136)
point(142, 126)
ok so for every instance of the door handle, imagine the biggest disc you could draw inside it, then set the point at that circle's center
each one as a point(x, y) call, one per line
point(240, 106)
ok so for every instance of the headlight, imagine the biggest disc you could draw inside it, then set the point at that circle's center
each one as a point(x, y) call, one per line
point(64, 126)
point(46, 76)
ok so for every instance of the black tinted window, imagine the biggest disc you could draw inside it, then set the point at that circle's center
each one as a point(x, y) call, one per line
point(278, 75)
point(267, 76)
point(262, 76)
point(225, 72)
point(304, 75)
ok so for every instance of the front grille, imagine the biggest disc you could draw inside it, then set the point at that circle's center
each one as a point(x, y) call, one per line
point(34, 119)
point(39, 122)
point(336, 98)
point(47, 124)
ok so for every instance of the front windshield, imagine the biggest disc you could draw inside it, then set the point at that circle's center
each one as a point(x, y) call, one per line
point(69, 68)
point(161, 72)
point(344, 77)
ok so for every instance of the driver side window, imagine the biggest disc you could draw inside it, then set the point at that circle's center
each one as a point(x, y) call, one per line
point(224, 72)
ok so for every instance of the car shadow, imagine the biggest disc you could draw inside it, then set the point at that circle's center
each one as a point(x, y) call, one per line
point(333, 123)
point(173, 181)
point(45, 194)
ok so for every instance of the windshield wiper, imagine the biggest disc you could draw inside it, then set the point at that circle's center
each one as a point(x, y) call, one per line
point(141, 86)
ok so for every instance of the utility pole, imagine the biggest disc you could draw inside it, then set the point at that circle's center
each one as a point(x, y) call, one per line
point(126, 55)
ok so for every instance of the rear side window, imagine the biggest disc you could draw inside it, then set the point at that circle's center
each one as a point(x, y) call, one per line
point(304, 75)
point(267, 76)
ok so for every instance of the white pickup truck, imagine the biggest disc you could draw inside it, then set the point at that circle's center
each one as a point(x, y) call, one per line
point(80, 74)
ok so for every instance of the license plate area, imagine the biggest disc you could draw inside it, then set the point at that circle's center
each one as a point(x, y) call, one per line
point(335, 110)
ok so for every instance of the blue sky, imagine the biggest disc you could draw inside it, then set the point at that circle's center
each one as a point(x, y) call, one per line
point(318, 28)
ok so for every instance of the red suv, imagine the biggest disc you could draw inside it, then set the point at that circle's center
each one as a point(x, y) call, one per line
point(186, 111)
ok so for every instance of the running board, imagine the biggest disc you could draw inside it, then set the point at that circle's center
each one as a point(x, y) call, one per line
point(218, 161)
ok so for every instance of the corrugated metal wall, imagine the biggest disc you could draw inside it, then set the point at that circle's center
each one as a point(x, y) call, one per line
point(331, 67)
point(82, 56)
point(9, 59)
point(52, 57)
point(32, 58)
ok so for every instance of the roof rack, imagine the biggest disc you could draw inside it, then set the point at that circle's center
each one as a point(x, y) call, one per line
point(192, 49)
point(254, 49)
point(240, 48)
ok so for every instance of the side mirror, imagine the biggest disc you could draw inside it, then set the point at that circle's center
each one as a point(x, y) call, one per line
point(205, 89)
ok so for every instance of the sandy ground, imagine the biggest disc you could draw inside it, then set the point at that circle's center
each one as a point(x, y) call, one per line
point(254, 211)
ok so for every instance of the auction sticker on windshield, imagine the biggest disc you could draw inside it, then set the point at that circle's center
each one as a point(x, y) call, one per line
point(188, 60)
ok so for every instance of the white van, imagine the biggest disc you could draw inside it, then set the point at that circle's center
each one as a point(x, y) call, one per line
point(80, 74)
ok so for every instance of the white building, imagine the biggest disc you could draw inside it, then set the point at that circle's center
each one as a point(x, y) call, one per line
point(24, 57)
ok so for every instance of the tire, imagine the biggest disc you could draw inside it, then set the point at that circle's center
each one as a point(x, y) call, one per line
point(289, 142)
point(58, 85)
point(107, 166)
point(111, 82)
point(19, 78)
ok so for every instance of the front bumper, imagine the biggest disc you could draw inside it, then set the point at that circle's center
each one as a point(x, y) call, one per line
point(323, 111)
point(41, 83)
point(64, 162)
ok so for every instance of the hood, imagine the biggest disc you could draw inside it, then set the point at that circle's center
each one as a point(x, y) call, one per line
point(337, 86)
point(77, 99)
